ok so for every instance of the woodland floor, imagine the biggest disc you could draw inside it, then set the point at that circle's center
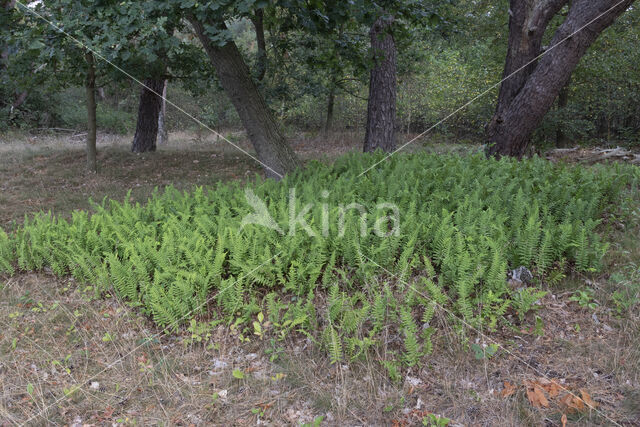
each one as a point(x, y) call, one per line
point(67, 358)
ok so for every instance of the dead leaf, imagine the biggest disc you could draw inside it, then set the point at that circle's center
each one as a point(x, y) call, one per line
point(508, 390)
point(587, 399)
point(564, 420)
point(573, 403)
point(553, 389)
point(536, 396)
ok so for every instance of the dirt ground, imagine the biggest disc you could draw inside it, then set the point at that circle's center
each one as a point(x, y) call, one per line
point(69, 358)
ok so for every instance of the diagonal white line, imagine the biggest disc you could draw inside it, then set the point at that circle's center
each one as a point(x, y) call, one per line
point(520, 359)
point(456, 111)
point(111, 365)
point(102, 57)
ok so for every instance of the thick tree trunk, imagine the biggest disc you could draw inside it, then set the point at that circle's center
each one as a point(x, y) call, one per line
point(528, 21)
point(563, 101)
point(520, 111)
point(163, 134)
point(148, 112)
point(90, 86)
point(381, 109)
point(274, 153)
point(258, 23)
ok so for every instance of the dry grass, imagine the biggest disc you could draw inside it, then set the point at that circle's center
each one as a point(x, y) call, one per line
point(67, 357)
point(70, 358)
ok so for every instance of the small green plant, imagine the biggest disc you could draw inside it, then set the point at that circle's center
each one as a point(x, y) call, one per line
point(433, 420)
point(200, 331)
point(259, 412)
point(392, 370)
point(238, 374)
point(585, 298)
point(484, 352)
point(526, 300)
point(628, 294)
point(539, 329)
point(317, 422)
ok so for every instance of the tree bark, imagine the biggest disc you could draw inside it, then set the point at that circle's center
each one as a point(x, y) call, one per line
point(331, 100)
point(381, 109)
point(148, 112)
point(274, 153)
point(163, 134)
point(258, 23)
point(563, 101)
point(528, 21)
point(90, 86)
point(521, 109)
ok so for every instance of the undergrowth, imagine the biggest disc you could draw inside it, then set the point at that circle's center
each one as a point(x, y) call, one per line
point(463, 222)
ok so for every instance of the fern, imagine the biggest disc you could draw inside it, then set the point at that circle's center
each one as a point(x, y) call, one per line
point(411, 346)
point(464, 221)
point(335, 345)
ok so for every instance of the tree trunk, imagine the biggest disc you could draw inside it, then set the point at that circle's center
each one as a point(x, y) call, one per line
point(381, 109)
point(148, 112)
point(258, 23)
point(563, 101)
point(163, 134)
point(90, 86)
point(520, 110)
point(331, 100)
point(19, 99)
point(274, 153)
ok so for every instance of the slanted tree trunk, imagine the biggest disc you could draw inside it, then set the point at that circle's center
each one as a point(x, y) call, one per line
point(528, 95)
point(148, 112)
point(90, 86)
point(258, 23)
point(163, 134)
point(274, 153)
point(381, 109)
point(563, 101)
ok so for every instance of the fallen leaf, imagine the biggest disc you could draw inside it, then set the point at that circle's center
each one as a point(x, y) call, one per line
point(508, 390)
point(553, 389)
point(536, 396)
point(573, 403)
point(587, 399)
point(564, 420)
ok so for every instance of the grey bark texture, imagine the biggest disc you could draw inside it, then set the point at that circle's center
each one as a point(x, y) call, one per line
point(272, 149)
point(90, 86)
point(381, 108)
point(148, 112)
point(527, 96)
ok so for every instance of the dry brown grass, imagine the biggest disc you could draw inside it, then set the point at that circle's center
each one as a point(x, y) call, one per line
point(67, 357)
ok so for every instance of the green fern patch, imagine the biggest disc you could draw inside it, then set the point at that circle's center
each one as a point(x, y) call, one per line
point(463, 222)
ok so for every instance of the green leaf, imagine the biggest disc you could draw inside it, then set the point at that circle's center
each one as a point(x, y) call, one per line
point(238, 374)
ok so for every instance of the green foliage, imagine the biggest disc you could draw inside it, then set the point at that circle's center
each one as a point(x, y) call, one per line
point(525, 300)
point(463, 222)
point(585, 298)
point(6, 253)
